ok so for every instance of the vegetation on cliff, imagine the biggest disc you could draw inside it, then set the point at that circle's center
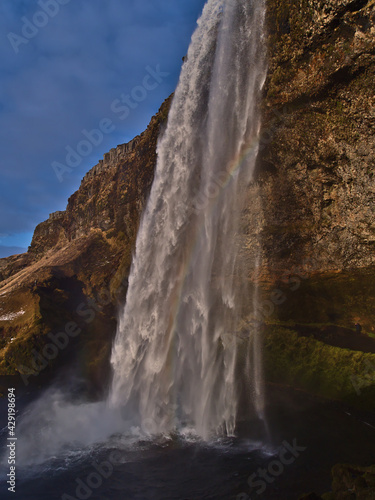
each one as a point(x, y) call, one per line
point(329, 371)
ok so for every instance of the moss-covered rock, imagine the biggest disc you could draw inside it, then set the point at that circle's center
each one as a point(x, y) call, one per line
point(324, 370)
point(352, 482)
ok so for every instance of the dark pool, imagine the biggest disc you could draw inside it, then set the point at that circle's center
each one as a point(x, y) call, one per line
point(307, 436)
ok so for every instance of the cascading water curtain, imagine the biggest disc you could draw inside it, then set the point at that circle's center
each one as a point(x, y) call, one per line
point(174, 356)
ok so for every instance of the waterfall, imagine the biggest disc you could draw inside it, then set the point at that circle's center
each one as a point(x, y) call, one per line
point(175, 354)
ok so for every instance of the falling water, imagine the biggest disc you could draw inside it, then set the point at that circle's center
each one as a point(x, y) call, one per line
point(174, 356)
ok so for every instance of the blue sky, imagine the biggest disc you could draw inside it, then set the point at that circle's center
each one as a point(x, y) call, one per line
point(64, 66)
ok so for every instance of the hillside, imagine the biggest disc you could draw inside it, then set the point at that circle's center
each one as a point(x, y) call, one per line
point(75, 271)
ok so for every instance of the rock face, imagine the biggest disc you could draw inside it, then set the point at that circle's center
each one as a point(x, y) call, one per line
point(311, 211)
point(350, 481)
point(317, 162)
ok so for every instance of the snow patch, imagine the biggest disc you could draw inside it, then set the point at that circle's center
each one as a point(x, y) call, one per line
point(11, 316)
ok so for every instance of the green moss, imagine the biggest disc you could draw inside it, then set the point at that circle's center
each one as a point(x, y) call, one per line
point(331, 372)
point(328, 496)
point(118, 284)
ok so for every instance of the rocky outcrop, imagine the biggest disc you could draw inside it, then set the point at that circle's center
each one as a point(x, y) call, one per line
point(310, 215)
point(111, 194)
point(11, 265)
point(113, 158)
point(317, 162)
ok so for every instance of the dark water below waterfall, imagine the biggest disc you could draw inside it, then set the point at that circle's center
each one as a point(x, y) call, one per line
point(186, 469)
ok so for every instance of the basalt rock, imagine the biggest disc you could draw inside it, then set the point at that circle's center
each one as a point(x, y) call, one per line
point(311, 211)
point(316, 166)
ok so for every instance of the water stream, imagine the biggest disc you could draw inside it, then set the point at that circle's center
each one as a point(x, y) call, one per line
point(174, 357)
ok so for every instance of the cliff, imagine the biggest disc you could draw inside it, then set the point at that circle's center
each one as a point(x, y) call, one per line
point(310, 214)
point(70, 282)
point(314, 190)
point(318, 147)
